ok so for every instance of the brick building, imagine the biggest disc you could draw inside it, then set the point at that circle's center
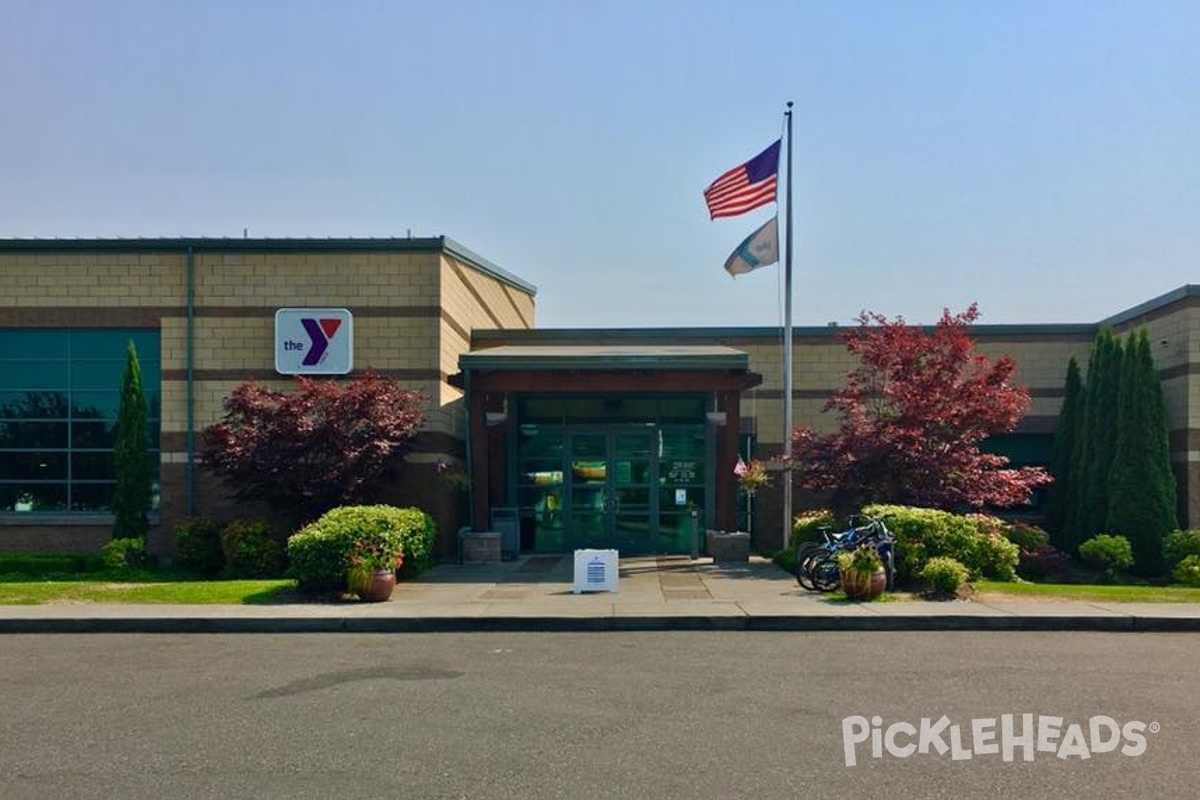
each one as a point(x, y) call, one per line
point(589, 437)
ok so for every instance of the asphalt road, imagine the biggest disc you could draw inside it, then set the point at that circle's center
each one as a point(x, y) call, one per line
point(612, 715)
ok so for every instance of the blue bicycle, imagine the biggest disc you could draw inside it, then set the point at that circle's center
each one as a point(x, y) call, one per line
point(817, 563)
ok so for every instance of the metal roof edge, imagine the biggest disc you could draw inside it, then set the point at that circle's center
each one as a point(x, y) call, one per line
point(479, 262)
point(553, 335)
point(494, 359)
point(1162, 301)
point(227, 244)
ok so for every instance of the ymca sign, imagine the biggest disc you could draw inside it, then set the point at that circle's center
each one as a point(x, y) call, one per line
point(314, 341)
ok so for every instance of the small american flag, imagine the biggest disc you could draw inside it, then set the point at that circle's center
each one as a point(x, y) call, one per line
point(746, 186)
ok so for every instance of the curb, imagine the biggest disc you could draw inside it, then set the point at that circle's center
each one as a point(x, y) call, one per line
point(217, 625)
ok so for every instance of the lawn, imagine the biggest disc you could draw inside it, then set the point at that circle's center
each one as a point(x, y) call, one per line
point(181, 592)
point(30, 579)
point(1104, 593)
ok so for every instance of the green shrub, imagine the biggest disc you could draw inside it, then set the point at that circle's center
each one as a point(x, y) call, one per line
point(1027, 538)
point(252, 549)
point(785, 559)
point(1037, 564)
point(1107, 552)
point(126, 554)
point(418, 534)
point(807, 525)
point(198, 546)
point(976, 541)
point(320, 553)
point(944, 576)
point(1179, 545)
point(39, 565)
point(1187, 571)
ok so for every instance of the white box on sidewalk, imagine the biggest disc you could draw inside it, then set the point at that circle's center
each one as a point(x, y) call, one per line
point(595, 571)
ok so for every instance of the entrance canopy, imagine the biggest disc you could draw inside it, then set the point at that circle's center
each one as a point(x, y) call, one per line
point(586, 441)
point(606, 357)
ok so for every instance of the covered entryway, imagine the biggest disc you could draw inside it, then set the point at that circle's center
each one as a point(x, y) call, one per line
point(605, 447)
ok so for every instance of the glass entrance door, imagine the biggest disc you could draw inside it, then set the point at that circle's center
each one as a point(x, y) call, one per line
point(611, 489)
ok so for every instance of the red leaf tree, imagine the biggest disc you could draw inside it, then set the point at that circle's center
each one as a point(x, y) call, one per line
point(912, 417)
point(323, 445)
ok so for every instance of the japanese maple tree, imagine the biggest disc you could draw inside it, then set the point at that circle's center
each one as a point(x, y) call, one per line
point(323, 445)
point(912, 418)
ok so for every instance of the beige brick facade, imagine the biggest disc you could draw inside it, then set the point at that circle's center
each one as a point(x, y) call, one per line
point(418, 304)
point(414, 303)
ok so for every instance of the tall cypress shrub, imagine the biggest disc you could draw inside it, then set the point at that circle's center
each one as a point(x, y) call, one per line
point(1141, 486)
point(131, 502)
point(1072, 532)
point(1100, 431)
point(1058, 495)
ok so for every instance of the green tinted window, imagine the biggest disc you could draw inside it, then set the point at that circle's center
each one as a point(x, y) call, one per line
point(60, 391)
point(19, 345)
point(25, 375)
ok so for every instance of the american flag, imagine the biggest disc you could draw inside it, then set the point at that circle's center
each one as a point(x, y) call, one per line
point(746, 186)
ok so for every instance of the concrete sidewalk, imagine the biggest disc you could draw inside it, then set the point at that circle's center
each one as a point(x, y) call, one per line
point(535, 593)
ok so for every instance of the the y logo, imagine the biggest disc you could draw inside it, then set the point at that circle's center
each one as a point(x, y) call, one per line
point(321, 332)
point(313, 341)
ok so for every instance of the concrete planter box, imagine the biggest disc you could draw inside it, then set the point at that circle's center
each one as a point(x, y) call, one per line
point(728, 545)
point(481, 547)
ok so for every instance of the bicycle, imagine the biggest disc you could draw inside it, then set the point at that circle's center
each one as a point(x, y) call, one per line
point(817, 562)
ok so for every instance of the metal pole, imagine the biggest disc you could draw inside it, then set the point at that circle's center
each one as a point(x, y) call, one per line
point(787, 343)
point(189, 483)
point(695, 534)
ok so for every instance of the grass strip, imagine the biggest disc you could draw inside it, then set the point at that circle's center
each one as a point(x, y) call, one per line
point(240, 592)
point(1105, 593)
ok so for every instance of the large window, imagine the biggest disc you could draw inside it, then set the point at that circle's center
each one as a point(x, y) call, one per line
point(59, 395)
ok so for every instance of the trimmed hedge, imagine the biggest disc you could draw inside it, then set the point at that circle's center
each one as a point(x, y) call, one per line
point(417, 537)
point(1179, 545)
point(126, 553)
point(977, 541)
point(1187, 571)
point(806, 526)
point(1107, 552)
point(1029, 538)
point(44, 564)
point(252, 549)
point(944, 576)
point(319, 553)
point(198, 546)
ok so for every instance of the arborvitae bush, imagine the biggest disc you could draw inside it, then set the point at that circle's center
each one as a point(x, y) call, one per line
point(131, 456)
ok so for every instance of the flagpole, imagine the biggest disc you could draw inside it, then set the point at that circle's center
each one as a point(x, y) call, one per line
point(787, 343)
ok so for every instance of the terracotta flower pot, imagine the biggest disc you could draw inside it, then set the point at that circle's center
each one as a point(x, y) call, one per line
point(864, 585)
point(383, 581)
point(374, 586)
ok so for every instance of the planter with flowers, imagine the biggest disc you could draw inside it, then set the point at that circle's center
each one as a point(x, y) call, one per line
point(751, 477)
point(862, 573)
point(372, 572)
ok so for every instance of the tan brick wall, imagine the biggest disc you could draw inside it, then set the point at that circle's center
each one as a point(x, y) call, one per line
point(820, 368)
point(400, 327)
point(316, 279)
point(62, 279)
point(471, 298)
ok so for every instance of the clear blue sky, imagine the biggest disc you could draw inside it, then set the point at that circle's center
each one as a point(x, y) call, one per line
point(1040, 158)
